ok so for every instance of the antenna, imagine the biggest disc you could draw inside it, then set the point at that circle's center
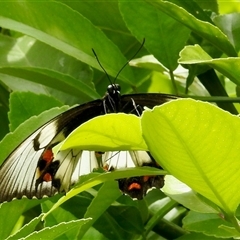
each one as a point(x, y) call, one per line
point(129, 60)
point(122, 66)
point(101, 66)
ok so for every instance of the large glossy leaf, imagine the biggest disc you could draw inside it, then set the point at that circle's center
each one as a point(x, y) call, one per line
point(203, 29)
point(63, 30)
point(199, 144)
point(227, 66)
point(157, 29)
point(111, 132)
point(24, 105)
point(27, 58)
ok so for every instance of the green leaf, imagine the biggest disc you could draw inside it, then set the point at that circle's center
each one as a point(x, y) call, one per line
point(227, 66)
point(128, 218)
point(203, 29)
point(100, 204)
point(61, 215)
point(183, 194)
point(24, 105)
point(14, 210)
point(40, 63)
point(26, 229)
point(157, 30)
point(62, 32)
point(209, 224)
point(109, 132)
point(94, 179)
point(197, 143)
point(57, 230)
point(229, 24)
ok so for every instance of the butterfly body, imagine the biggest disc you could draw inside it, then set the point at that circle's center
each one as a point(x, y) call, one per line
point(32, 170)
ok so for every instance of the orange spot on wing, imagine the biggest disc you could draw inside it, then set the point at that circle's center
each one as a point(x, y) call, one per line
point(134, 186)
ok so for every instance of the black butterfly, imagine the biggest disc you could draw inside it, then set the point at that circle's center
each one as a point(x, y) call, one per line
point(32, 170)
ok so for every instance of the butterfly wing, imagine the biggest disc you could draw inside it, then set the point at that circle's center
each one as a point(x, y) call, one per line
point(32, 170)
point(149, 100)
point(27, 171)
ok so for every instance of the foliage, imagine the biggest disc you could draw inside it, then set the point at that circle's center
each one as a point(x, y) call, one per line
point(46, 62)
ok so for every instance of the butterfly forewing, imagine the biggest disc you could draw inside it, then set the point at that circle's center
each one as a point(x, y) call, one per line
point(19, 172)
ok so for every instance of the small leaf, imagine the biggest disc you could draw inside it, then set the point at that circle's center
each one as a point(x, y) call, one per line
point(227, 66)
point(109, 132)
point(198, 143)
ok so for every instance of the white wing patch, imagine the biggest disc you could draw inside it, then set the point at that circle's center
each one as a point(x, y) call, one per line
point(17, 176)
point(75, 163)
point(125, 159)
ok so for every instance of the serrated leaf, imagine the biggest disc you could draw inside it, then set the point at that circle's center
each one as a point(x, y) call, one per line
point(26, 229)
point(209, 224)
point(198, 143)
point(227, 66)
point(203, 29)
point(57, 230)
point(13, 210)
point(109, 132)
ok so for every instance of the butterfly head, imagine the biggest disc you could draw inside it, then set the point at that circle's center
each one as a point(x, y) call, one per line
point(114, 89)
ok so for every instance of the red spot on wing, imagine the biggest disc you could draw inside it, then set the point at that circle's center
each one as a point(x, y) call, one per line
point(134, 186)
point(48, 155)
point(47, 177)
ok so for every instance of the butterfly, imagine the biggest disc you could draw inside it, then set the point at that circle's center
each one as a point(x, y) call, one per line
point(34, 170)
